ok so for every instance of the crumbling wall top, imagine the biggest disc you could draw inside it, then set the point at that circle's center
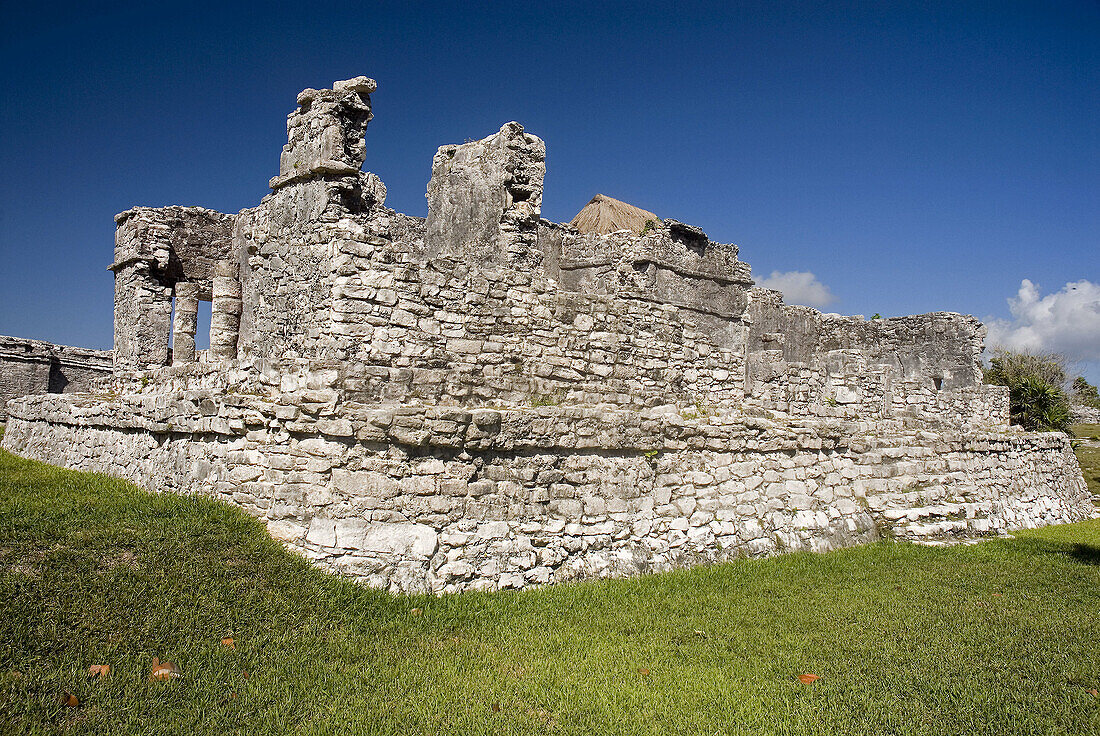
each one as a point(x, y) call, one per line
point(485, 197)
point(182, 242)
point(325, 133)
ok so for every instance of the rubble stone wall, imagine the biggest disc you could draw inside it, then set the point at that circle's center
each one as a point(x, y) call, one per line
point(440, 499)
point(1083, 414)
point(844, 384)
point(923, 367)
point(37, 367)
point(939, 345)
point(484, 399)
point(449, 333)
point(401, 326)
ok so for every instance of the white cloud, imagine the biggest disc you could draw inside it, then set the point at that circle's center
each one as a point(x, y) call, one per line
point(799, 287)
point(1067, 321)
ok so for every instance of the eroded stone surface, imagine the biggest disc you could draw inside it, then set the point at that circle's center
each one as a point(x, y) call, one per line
point(37, 367)
point(484, 200)
point(445, 499)
point(484, 399)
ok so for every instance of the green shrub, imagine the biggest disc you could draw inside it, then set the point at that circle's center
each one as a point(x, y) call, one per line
point(1039, 406)
point(1037, 397)
point(1085, 393)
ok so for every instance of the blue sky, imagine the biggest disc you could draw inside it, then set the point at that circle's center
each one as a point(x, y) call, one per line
point(899, 158)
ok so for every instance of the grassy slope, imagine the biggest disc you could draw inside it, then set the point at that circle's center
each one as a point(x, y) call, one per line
point(997, 638)
point(1088, 457)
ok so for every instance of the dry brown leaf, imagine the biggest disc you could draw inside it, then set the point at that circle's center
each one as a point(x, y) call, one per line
point(643, 671)
point(1093, 692)
point(164, 670)
point(541, 713)
point(99, 670)
point(228, 642)
point(808, 679)
point(69, 699)
point(416, 611)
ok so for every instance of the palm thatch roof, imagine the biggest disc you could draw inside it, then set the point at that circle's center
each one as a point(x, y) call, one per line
point(605, 215)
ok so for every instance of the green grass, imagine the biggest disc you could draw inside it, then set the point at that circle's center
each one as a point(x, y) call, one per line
point(997, 638)
point(1086, 431)
point(1088, 457)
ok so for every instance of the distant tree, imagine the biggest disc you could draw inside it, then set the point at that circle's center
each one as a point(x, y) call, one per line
point(1085, 393)
point(1036, 388)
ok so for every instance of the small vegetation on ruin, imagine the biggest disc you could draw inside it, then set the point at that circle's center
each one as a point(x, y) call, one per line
point(698, 410)
point(552, 399)
point(197, 622)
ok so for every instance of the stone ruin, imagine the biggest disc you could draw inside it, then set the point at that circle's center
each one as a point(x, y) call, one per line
point(37, 367)
point(484, 399)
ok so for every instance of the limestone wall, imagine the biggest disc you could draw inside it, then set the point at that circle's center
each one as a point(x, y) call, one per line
point(445, 499)
point(1083, 414)
point(363, 295)
point(449, 333)
point(942, 347)
point(483, 399)
point(922, 367)
point(844, 384)
point(37, 367)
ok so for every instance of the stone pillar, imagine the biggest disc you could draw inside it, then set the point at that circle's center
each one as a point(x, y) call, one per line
point(325, 133)
point(485, 198)
point(143, 317)
point(185, 323)
point(225, 313)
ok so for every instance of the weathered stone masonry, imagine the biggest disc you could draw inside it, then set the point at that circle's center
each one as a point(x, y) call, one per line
point(486, 399)
point(442, 499)
point(36, 367)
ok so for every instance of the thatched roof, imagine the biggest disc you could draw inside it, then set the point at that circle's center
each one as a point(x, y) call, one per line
point(605, 215)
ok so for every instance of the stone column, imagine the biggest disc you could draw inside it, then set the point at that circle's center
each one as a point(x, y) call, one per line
point(225, 313)
point(143, 317)
point(485, 198)
point(185, 323)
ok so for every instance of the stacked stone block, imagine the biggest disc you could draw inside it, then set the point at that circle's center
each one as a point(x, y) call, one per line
point(442, 499)
point(37, 367)
point(484, 399)
point(185, 322)
point(225, 313)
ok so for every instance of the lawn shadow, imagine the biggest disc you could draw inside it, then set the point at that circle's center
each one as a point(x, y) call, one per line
point(1085, 554)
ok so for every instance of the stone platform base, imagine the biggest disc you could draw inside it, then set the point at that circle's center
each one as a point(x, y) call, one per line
point(438, 499)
